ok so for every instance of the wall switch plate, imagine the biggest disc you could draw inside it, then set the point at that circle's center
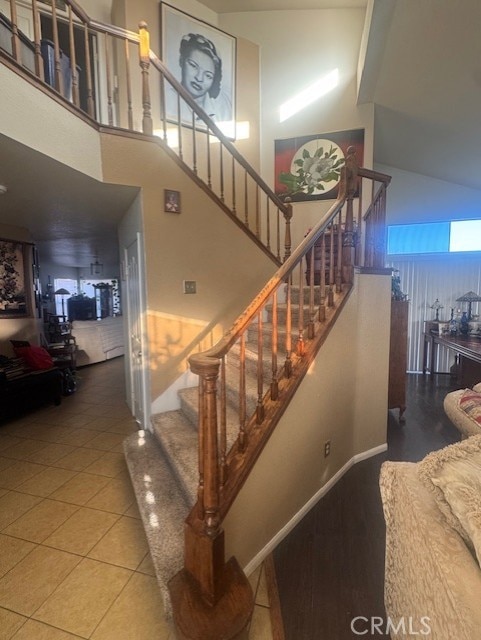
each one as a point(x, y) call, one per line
point(190, 286)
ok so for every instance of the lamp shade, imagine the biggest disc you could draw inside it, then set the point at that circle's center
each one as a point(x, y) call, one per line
point(469, 297)
point(62, 292)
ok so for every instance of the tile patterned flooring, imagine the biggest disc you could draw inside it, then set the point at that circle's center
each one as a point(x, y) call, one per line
point(74, 561)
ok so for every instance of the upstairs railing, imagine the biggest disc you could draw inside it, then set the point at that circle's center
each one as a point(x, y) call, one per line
point(272, 342)
point(105, 72)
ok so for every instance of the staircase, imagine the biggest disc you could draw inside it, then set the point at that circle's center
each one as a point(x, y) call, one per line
point(163, 464)
point(188, 470)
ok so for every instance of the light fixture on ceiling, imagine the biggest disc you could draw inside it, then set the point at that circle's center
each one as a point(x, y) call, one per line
point(3, 189)
point(96, 268)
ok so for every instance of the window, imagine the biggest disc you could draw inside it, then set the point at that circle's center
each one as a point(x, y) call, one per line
point(434, 237)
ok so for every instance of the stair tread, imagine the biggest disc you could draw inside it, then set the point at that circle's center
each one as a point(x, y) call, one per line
point(162, 507)
point(179, 441)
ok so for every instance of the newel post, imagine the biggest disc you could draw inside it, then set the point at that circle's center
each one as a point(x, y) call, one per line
point(144, 54)
point(348, 235)
point(211, 599)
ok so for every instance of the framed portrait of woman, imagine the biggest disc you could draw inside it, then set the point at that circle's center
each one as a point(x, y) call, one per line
point(203, 59)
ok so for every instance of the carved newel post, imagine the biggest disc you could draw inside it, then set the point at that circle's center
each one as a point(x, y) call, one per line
point(211, 599)
point(144, 54)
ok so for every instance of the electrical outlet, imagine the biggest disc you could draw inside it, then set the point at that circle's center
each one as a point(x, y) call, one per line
point(327, 448)
point(190, 286)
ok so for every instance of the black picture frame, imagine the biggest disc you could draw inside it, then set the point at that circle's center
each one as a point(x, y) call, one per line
point(181, 33)
point(171, 201)
point(14, 279)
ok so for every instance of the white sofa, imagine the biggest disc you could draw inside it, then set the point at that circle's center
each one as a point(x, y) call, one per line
point(457, 408)
point(98, 340)
point(433, 543)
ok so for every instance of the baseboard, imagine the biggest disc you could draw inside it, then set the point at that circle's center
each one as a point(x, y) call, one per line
point(272, 544)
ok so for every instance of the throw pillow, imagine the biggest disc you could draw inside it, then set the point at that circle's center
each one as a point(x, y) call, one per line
point(470, 403)
point(37, 358)
point(434, 472)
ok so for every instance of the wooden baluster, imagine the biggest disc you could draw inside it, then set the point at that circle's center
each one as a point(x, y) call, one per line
point(90, 93)
point(322, 291)
point(194, 144)
point(339, 253)
point(242, 394)
point(246, 202)
point(234, 211)
point(288, 362)
point(209, 174)
point(179, 128)
point(56, 48)
point(163, 82)
point(310, 326)
point(300, 338)
point(278, 233)
point(223, 425)
point(73, 59)
point(287, 239)
point(39, 71)
point(16, 48)
point(275, 328)
point(144, 52)
point(260, 370)
point(221, 154)
point(130, 115)
point(268, 223)
point(331, 254)
point(258, 214)
point(108, 72)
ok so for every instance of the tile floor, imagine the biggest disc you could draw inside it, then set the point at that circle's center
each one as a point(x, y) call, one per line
point(74, 561)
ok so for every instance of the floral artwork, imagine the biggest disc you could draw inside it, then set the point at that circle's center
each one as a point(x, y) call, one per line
point(13, 301)
point(309, 167)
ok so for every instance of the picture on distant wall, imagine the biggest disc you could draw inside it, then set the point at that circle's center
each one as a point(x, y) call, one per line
point(203, 59)
point(13, 297)
point(171, 201)
point(309, 167)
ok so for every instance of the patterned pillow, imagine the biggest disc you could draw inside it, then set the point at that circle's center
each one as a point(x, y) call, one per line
point(438, 464)
point(470, 403)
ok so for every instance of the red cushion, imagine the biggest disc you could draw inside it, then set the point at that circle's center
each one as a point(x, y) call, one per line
point(37, 358)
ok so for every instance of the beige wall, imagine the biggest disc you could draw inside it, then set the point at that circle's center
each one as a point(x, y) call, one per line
point(196, 244)
point(17, 328)
point(32, 118)
point(343, 398)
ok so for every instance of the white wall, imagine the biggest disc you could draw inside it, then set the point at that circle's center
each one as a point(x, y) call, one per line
point(413, 197)
point(296, 49)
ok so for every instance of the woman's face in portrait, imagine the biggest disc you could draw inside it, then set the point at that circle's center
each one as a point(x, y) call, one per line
point(198, 73)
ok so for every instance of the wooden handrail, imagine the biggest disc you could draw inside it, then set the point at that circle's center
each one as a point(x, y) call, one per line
point(375, 176)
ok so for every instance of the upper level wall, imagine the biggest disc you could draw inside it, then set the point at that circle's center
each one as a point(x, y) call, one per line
point(297, 48)
point(32, 118)
point(413, 197)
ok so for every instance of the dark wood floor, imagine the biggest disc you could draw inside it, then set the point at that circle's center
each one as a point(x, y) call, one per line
point(330, 568)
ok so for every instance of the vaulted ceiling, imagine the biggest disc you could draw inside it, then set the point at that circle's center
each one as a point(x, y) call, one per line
point(422, 70)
